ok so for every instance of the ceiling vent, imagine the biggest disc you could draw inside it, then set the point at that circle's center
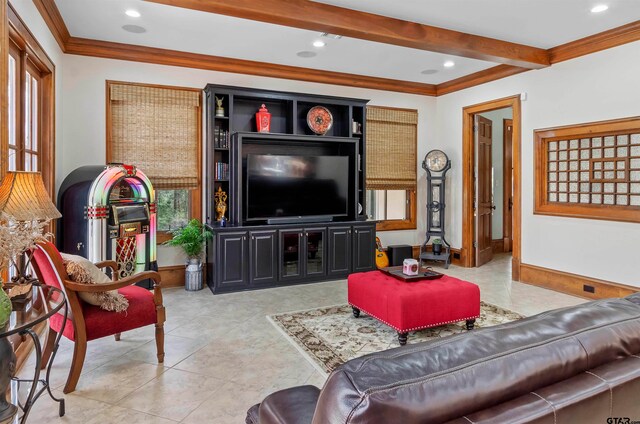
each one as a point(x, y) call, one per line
point(332, 36)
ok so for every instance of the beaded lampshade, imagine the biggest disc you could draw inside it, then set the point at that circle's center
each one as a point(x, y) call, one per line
point(24, 198)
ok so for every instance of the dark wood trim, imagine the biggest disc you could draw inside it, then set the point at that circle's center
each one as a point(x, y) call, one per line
point(597, 42)
point(54, 21)
point(507, 177)
point(33, 53)
point(579, 210)
point(468, 186)
point(4, 95)
point(368, 26)
point(478, 78)
point(573, 284)
point(133, 53)
point(457, 255)
point(497, 245)
point(172, 276)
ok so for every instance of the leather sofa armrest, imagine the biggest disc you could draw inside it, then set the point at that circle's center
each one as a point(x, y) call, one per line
point(635, 298)
point(290, 406)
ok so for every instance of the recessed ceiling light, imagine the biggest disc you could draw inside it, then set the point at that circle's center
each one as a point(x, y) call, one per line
point(319, 43)
point(132, 13)
point(449, 64)
point(599, 8)
point(136, 29)
point(429, 71)
point(306, 54)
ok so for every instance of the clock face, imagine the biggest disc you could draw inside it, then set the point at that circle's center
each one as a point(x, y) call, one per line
point(436, 160)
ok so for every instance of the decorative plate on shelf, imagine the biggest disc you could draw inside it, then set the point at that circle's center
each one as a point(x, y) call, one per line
point(319, 120)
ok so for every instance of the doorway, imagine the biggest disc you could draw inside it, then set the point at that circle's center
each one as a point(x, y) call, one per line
point(491, 180)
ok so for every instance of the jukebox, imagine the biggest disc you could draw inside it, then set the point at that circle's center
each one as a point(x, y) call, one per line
point(109, 213)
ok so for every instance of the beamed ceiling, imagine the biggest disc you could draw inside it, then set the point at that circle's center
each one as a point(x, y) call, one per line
point(385, 44)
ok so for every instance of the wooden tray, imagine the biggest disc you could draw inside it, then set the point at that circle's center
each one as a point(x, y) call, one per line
point(425, 273)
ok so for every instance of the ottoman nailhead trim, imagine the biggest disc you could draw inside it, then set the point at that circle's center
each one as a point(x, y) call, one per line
point(414, 328)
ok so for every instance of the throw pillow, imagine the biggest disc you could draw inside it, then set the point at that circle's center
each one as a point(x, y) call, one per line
point(82, 270)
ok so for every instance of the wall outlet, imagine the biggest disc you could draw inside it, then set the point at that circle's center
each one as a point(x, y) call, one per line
point(589, 289)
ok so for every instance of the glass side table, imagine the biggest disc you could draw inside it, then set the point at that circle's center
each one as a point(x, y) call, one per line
point(45, 302)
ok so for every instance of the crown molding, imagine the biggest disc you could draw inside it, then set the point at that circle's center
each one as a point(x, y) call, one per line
point(597, 42)
point(478, 78)
point(110, 50)
point(54, 21)
point(314, 16)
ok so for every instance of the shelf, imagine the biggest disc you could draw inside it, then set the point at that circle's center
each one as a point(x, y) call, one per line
point(223, 149)
point(216, 180)
point(220, 117)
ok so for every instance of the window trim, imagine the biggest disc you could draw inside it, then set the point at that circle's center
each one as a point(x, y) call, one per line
point(33, 55)
point(588, 211)
point(196, 194)
point(402, 224)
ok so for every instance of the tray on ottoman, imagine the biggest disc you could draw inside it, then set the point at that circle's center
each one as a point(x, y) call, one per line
point(424, 273)
point(409, 307)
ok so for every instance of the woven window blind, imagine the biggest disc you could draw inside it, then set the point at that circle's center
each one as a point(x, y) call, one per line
point(392, 136)
point(157, 130)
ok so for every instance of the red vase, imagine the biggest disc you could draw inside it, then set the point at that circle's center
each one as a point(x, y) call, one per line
point(263, 120)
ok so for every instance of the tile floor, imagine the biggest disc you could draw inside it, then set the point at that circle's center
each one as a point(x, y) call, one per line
point(222, 355)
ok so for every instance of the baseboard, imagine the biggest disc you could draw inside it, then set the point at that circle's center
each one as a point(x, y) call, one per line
point(497, 245)
point(172, 276)
point(573, 284)
point(457, 255)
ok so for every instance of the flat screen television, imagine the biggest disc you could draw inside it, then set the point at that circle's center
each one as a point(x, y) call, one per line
point(281, 186)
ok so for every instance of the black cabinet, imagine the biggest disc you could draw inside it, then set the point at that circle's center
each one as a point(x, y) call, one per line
point(263, 249)
point(339, 251)
point(243, 258)
point(364, 242)
point(233, 257)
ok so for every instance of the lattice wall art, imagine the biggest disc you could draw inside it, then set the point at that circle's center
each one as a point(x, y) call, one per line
point(590, 170)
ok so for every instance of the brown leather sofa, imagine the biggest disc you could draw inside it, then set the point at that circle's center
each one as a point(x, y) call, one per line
point(571, 365)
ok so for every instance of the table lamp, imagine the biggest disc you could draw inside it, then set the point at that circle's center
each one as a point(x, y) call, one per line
point(25, 209)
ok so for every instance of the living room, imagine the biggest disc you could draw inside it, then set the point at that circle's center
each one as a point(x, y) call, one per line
point(391, 99)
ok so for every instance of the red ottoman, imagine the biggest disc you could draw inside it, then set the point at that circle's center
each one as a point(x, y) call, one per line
point(412, 306)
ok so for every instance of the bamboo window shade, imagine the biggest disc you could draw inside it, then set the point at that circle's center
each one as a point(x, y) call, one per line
point(392, 136)
point(157, 130)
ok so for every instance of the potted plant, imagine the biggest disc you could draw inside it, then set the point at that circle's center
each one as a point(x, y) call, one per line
point(191, 238)
point(437, 246)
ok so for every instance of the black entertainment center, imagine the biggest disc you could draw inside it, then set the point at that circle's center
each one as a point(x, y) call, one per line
point(296, 200)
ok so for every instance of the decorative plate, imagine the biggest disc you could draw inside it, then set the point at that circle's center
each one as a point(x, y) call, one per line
point(319, 120)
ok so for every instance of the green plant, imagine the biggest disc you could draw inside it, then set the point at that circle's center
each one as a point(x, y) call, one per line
point(437, 241)
point(191, 238)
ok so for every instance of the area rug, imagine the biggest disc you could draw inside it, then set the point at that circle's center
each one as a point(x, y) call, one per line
point(330, 336)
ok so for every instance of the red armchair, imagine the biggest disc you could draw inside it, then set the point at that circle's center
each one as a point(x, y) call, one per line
point(87, 322)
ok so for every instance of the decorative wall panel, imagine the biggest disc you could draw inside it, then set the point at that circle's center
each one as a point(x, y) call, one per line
point(589, 170)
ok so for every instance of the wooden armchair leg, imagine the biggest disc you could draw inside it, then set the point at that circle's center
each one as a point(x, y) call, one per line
point(160, 342)
point(117, 336)
point(79, 352)
point(48, 347)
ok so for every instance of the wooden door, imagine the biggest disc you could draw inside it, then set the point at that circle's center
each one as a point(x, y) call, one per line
point(263, 252)
point(484, 198)
point(507, 220)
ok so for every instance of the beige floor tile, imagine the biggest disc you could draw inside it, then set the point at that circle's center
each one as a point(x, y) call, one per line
point(176, 349)
point(174, 394)
point(232, 400)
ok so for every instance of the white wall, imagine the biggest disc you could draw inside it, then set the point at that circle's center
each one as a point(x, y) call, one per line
point(497, 118)
point(596, 87)
point(84, 116)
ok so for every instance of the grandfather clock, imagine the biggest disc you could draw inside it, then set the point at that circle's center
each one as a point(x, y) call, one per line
point(436, 163)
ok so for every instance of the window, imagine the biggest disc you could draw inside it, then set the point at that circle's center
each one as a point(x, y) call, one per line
point(157, 129)
point(30, 95)
point(589, 170)
point(391, 167)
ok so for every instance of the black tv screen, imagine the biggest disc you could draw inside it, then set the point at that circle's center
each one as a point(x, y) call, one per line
point(279, 186)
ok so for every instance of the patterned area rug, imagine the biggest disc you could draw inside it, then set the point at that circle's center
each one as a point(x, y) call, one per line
point(331, 336)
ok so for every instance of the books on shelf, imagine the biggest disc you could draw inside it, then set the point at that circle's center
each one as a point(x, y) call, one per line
point(221, 138)
point(221, 171)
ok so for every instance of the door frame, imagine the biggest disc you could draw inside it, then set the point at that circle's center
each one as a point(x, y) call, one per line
point(468, 186)
point(507, 164)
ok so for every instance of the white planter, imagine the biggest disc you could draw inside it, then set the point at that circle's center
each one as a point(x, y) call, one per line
point(193, 275)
